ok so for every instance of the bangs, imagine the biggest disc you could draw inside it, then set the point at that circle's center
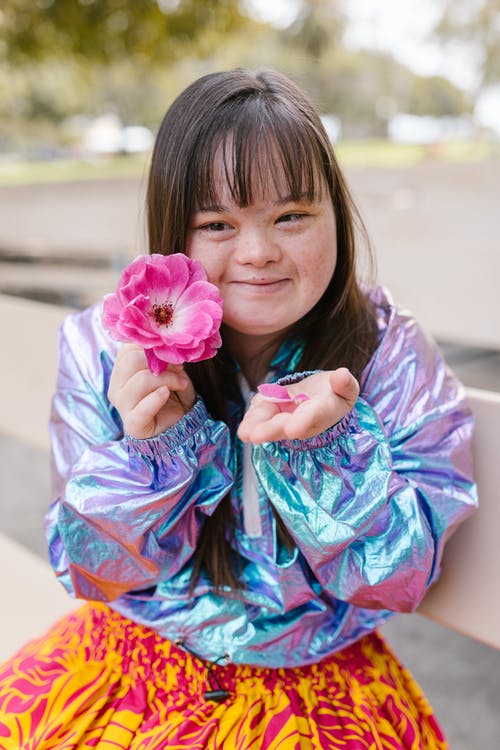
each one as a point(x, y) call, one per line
point(262, 151)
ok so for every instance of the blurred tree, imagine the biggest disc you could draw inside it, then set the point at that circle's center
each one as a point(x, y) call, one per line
point(435, 95)
point(106, 30)
point(319, 25)
point(476, 23)
point(63, 59)
point(363, 88)
point(310, 46)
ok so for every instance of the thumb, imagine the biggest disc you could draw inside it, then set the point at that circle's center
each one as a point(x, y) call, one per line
point(344, 385)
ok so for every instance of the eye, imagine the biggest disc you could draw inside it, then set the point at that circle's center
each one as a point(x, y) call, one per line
point(289, 217)
point(214, 226)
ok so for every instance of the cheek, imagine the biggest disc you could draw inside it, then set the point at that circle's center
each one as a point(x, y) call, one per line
point(215, 271)
point(330, 253)
point(319, 268)
point(208, 260)
point(329, 267)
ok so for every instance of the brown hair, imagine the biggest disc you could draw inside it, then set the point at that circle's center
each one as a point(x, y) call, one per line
point(264, 125)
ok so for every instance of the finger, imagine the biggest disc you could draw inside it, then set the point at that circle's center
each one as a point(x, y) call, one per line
point(176, 368)
point(141, 421)
point(260, 411)
point(261, 408)
point(314, 416)
point(129, 360)
point(263, 431)
point(143, 382)
point(309, 419)
point(186, 395)
point(265, 422)
point(345, 385)
point(134, 389)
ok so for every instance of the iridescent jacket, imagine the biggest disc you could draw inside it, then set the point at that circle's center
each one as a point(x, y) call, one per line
point(369, 503)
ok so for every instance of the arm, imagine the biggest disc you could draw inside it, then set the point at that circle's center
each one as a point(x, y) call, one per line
point(128, 511)
point(371, 501)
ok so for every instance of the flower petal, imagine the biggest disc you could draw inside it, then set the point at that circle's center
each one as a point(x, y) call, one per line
point(111, 309)
point(132, 281)
point(274, 392)
point(175, 282)
point(279, 395)
point(156, 365)
point(169, 279)
point(199, 291)
point(201, 316)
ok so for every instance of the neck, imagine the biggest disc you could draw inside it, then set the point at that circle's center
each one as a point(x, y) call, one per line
point(253, 354)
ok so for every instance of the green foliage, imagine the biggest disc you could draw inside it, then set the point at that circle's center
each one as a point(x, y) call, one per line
point(319, 26)
point(68, 58)
point(106, 30)
point(363, 88)
point(437, 96)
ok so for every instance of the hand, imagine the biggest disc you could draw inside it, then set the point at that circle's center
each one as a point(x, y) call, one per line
point(332, 394)
point(148, 404)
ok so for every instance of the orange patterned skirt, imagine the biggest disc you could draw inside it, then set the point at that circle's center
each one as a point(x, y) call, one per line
point(98, 680)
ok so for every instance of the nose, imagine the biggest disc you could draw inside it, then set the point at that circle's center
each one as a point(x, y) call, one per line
point(255, 247)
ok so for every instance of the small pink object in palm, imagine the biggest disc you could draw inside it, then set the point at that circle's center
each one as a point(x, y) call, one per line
point(280, 396)
point(165, 304)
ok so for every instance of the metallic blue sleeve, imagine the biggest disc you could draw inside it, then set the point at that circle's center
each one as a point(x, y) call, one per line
point(371, 502)
point(128, 512)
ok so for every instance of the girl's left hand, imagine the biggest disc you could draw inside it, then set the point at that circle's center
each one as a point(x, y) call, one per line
point(332, 394)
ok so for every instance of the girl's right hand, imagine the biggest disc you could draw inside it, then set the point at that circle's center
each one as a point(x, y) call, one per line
point(148, 404)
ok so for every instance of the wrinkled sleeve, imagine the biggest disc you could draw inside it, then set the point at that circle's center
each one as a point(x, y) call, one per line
point(127, 512)
point(371, 501)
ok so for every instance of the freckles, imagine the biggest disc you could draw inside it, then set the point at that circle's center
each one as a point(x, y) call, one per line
point(215, 277)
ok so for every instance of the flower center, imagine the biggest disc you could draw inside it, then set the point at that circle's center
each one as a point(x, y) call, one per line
point(163, 314)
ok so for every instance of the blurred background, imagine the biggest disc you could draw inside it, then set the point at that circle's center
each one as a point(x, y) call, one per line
point(409, 91)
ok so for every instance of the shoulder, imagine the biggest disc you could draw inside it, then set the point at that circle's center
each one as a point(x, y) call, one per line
point(407, 375)
point(387, 313)
point(84, 329)
point(398, 329)
point(85, 345)
point(404, 348)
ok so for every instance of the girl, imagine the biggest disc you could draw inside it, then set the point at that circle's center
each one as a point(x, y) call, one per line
point(238, 558)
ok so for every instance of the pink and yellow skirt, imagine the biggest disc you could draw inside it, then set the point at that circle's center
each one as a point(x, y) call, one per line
point(98, 680)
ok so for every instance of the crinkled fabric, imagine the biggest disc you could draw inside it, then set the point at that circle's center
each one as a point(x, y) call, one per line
point(369, 503)
point(99, 680)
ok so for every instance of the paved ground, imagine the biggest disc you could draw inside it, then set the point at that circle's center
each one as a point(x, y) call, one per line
point(435, 229)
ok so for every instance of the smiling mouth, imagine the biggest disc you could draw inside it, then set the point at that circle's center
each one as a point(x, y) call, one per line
point(261, 282)
point(262, 287)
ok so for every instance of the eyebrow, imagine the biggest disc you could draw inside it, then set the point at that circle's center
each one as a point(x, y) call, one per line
point(214, 208)
point(219, 208)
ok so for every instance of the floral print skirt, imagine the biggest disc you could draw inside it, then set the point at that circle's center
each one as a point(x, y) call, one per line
point(98, 680)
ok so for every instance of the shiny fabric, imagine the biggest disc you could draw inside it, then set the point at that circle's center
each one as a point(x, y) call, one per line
point(99, 680)
point(369, 503)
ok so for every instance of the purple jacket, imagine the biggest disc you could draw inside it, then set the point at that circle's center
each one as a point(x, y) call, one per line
point(369, 503)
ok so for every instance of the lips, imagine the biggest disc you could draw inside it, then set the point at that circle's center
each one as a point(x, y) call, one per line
point(260, 282)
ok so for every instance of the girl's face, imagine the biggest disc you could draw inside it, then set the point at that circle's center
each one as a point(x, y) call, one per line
point(272, 260)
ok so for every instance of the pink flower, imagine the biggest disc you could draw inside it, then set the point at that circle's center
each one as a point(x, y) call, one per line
point(279, 395)
point(165, 304)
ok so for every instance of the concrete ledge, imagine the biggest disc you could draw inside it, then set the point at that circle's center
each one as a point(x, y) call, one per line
point(28, 331)
point(33, 598)
point(466, 596)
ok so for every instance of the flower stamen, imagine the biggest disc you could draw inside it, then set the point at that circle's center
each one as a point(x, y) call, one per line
point(163, 315)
